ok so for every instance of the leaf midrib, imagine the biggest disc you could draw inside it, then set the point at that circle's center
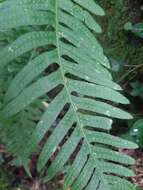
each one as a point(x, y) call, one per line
point(69, 95)
point(62, 73)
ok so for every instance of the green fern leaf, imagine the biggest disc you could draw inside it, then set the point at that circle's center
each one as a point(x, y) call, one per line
point(61, 34)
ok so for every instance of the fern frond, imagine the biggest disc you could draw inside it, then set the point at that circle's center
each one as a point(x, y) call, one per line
point(62, 35)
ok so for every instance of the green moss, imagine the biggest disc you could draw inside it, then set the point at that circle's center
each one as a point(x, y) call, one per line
point(4, 180)
point(118, 44)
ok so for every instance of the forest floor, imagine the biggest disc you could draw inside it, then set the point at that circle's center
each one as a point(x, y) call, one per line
point(119, 45)
point(122, 49)
point(138, 179)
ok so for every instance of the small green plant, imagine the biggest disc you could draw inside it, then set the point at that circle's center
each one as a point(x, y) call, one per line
point(135, 133)
point(136, 128)
point(136, 29)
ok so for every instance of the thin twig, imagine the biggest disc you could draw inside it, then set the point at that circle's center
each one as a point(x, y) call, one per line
point(128, 73)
